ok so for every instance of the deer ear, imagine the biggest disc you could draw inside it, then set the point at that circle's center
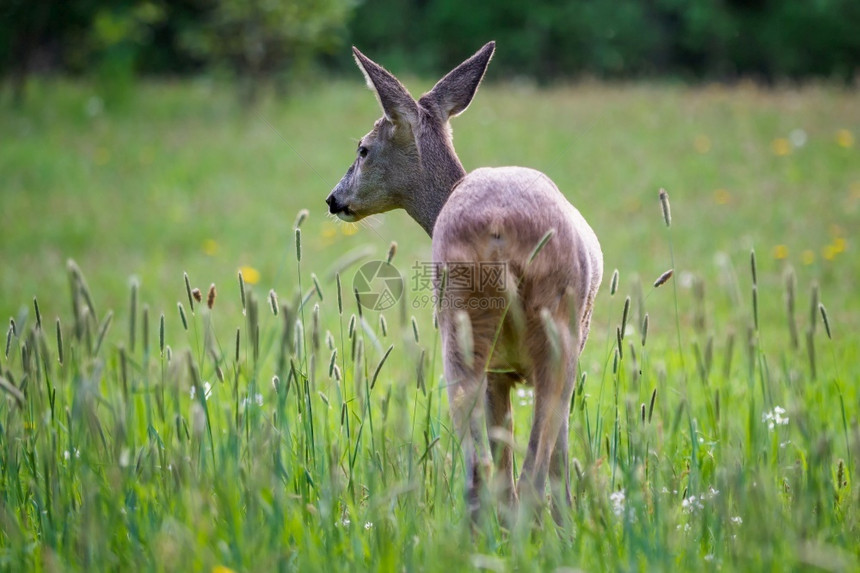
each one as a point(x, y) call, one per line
point(397, 104)
point(453, 93)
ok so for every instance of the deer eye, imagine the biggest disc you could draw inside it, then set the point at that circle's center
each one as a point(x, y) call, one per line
point(362, 151)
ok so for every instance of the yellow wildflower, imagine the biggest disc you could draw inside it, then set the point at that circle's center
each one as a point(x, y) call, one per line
point(808, 256)
point(828, 253)
point(349, 229)
point(839, 245)
point(210, 247)
point(222, 569)
point(780, 252)
point(844, 138)
point(780, 146)
point(250, 274)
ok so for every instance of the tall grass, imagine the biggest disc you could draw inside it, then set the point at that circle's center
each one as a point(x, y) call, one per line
point(714, 425)
point(191, 454)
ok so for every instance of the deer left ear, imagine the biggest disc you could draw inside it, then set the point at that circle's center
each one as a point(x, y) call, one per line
point(453, 93)
point(397, 103)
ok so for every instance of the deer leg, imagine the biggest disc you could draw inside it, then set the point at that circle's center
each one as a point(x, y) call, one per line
point(466, 391)
point(552, 377)
point(560, 461)
point(500, 430)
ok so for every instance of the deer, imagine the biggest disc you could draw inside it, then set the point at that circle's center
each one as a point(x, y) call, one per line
point(553, 267)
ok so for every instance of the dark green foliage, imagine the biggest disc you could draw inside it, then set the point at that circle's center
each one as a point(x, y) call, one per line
point(547, 39)
point(544, 39)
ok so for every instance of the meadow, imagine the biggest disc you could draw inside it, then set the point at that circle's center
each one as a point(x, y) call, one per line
point(284, 427)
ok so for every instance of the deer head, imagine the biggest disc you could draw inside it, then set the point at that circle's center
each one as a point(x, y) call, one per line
point(407, 160)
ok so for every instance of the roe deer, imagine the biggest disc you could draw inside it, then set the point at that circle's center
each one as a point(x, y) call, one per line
point(511, 216)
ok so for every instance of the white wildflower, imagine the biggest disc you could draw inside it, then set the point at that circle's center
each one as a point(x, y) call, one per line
point(692, 503)
point(368, 525)
point(775, 418)
point(737, 520)
point(257, 399)
point(617, 498)
point(207, 390)
point(526, 396)
point(797, 137)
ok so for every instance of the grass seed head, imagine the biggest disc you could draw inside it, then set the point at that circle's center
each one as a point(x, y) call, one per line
point(645, 329)
point(273, 301)
point(300, 218)
point(392, 250)
point(753, 267)
point(9, 334)
point(825, 319)
point(662, 279)
point(182, 315)
point(613, 284)
point(238, 345)
point(59, 342)
point(651, 404)
point(664, 205)
point(315, 327)
point(339, 294)
point(38, 314)
point(298, 245)
point(577, 467)
point(190, 292)
point(358, 302)
point(624, 315)
point(242, 290)
point(332, 362)
point(415, 331)
point(161, 334)
point(195, 295)
point(755, 305)
point(210, 296)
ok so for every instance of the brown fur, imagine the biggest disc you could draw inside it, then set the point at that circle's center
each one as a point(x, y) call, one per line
point(490, 215)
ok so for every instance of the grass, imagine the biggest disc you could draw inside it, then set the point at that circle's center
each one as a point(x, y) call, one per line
point(319, 439)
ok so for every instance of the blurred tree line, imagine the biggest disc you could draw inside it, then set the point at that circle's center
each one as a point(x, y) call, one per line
point(115, 40)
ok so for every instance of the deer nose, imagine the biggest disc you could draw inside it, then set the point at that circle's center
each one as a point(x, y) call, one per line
point(333, 206)
point(331, 202)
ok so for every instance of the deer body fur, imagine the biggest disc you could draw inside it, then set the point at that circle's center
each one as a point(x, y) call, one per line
point(492, 215)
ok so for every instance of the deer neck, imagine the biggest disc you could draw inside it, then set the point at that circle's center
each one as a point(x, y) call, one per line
point(440, 171)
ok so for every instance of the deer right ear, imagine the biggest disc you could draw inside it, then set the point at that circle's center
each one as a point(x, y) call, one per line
point(397, 104)
point(453, 93)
